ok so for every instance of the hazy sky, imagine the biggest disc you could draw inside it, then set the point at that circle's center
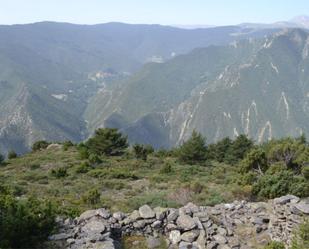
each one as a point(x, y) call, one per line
point(214, 12)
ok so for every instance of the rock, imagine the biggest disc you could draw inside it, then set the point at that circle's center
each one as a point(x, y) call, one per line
point(173, 215)
point(174, 237)
point(220, 239)
point(212, 245)
point(93, 226)
point(186, 245)
point(156, 224)
point(104, 245)
point(153, 242)
point(221, 231)
point(303, 207)
point(146, 212)
point(185, 222)
point(286, 199)
point(59, 236)
point(119, 216)
point(135, 215)
point(190, 236)
point(160, 213)
point(54, 147)
point(86, 215)
point(104, 213)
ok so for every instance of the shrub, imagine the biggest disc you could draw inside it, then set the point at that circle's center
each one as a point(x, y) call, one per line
point(92, 197)
point(166, 168)
point(193, 150)
point(305, 172)
point(238, 149)
point(142, 151)
point(275, 245)
point(301, 237)
point(83, 151)
point(24, 224)
point(66, 145)
point(255, 161)
point(12, 154)
point(59, 172)
point(84, 167)
point(282, 183)
point(40, 145)
point(1, 159)
point(94, 159)
point(107, 141)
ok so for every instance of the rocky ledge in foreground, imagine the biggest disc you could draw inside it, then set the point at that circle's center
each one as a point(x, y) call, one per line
point(235, 225)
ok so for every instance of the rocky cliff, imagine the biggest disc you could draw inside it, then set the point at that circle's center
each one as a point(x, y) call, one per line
point(234, 225)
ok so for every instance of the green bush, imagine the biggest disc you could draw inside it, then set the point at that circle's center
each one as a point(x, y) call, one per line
point(305, 172)
point(282, 183)
point(1, 159)
point(92, 197)
point(59, 172)
point(166, 168)
point(275, 245)
point(193, 150)
point(40, 145)
point(107, 141)
point(84, 167)
point(301, 237)
point(142, 151)
point(82, 151)
point(24, 224)
point(12, 154)
point(94, 159)
point(66, 145)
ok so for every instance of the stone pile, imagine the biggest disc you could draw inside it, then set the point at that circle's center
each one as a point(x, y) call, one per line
point(237, 225)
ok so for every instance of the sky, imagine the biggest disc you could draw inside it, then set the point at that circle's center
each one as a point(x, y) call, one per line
point(166, 12)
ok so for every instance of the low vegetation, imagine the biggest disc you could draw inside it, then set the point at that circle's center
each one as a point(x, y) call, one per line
point(105, 172)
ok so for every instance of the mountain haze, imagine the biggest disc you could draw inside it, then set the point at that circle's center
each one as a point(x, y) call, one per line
point(255, 87)
point(49, 72)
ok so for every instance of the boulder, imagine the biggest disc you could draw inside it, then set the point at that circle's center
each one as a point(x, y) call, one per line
point(220, 239)
point(146, 212)
point(303, 207)
point(286, 199)
point(190, 236)
point(86, 215)
point(175, 237)
point(185, 222)
point(93, 226)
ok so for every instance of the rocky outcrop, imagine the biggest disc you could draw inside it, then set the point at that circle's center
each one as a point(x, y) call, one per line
point(237, 225)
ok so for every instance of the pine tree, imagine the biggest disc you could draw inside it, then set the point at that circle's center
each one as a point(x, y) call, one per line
point(193, 150)
point(107, 141)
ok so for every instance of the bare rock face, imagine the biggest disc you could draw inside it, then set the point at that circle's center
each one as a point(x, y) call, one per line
point(236, 225)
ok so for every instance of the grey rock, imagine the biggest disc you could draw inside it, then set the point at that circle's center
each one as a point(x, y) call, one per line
point(190, 236)
point(173, 215)
point(146, 212)
point(220, 239)
point(157, 224)
point(86, 215)
point(93, 226)
point(174, 237)
point(59, 236)
point(119, 216)
point(186, 222)
point(160, 213)
point(303, 207)
point(286, 199)
point(104, 213)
